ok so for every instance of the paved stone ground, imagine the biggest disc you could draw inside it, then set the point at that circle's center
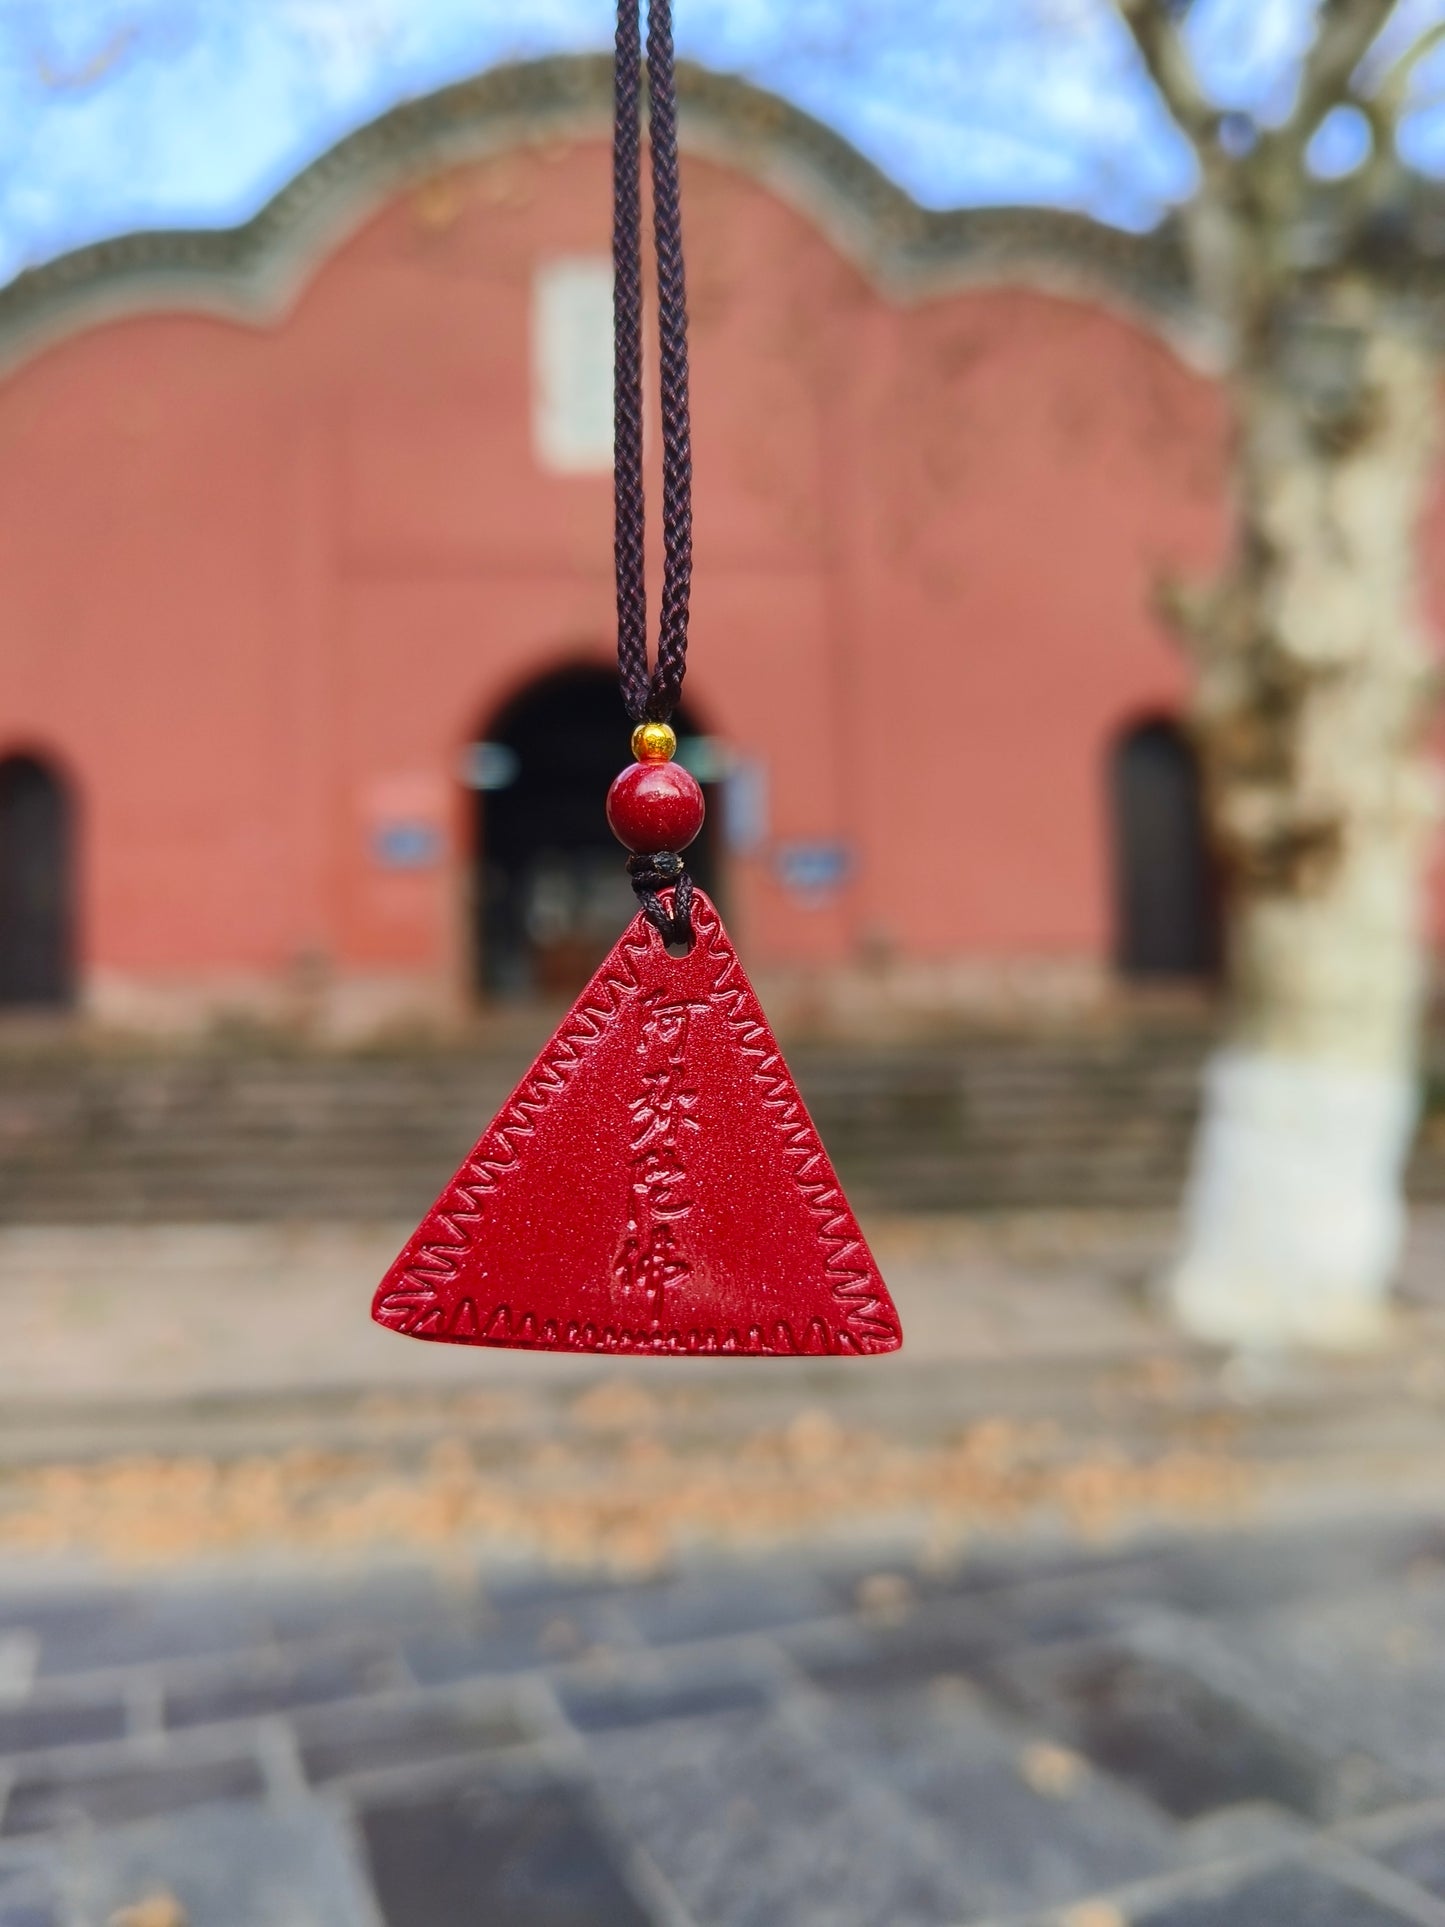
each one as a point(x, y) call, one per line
point(1240, 1730)
point(431, 1636)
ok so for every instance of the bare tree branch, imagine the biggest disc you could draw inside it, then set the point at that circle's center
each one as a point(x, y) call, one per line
point(1362, 194)
point(90, 72)
point(1389, 96)
point(1162, 48)
point(1347, 29)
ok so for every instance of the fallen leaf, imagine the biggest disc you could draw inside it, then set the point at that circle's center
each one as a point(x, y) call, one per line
point(156, 1910)
point(1051, 1770)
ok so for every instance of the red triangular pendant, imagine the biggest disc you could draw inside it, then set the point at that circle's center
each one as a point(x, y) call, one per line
point(653, 1184)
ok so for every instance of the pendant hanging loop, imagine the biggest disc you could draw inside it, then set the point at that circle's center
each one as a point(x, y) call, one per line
point(665, 871)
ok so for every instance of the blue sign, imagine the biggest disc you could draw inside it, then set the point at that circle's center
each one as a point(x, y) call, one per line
point(406, 846)
point(813, 869)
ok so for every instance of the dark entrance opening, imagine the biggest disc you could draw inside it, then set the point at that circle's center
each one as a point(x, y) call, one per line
point(1166, 899)
point(36, 916)
point(552, 893)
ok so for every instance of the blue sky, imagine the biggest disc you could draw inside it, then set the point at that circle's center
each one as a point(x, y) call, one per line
point(117, 114)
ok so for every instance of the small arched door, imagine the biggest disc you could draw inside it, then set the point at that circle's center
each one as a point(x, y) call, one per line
point(551, 892)
point(36, 884)
point(1166, 904)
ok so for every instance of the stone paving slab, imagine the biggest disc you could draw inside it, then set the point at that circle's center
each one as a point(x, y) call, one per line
point(405, 1731)
point(1418, 1853)
point(747, 1817)
point(512, 1854)
point(59, 1796)
point(1364, 1677)
point(224, 1865)
point(1030, 1821)
point(1303, 1895)
point(1159, 1726)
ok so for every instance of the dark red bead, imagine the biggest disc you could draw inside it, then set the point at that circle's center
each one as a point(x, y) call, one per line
point(655, 806)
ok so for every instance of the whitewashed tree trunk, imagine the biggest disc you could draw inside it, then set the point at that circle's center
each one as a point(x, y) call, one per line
point(1314, 681)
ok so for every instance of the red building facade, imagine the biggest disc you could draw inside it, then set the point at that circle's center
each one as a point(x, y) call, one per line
point(291, 527)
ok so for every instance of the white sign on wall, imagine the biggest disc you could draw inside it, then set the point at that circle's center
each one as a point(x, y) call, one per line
point(572, 364)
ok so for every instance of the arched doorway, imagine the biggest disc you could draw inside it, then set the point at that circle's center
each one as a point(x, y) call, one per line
point(1166, 902)
point(551, 889)
point(36, 885)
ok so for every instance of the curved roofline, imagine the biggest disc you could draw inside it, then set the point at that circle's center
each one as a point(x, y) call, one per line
point(252, 272)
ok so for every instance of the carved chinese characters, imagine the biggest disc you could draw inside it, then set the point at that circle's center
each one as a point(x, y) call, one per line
point(664, 1115)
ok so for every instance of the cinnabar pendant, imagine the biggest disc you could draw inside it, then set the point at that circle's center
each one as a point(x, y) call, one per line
point(653, 1185)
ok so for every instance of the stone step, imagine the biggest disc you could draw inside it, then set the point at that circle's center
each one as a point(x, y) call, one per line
point(993, 1121)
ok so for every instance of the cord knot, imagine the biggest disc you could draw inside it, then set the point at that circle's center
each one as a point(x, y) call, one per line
point(664, 871)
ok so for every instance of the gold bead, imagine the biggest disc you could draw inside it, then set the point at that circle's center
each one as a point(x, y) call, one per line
point(653, 743)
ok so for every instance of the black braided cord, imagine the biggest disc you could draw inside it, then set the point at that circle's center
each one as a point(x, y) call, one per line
point(672, 355)
point(629, 506)
point(665, 871)
point(650, 694)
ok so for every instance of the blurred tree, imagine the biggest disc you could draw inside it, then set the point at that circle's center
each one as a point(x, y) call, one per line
point(1314, 679)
